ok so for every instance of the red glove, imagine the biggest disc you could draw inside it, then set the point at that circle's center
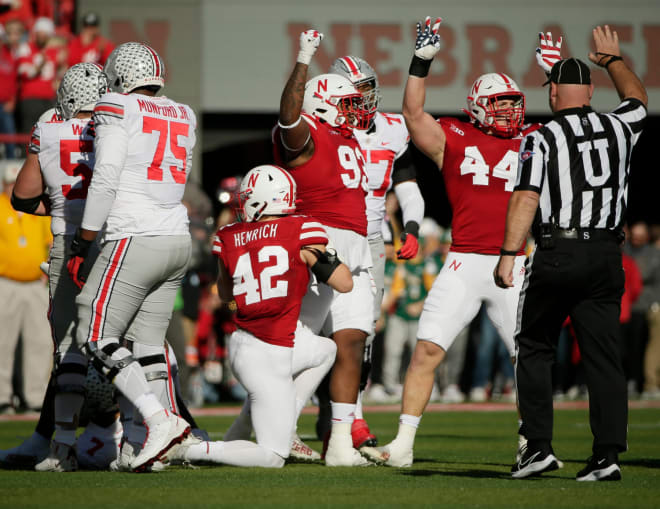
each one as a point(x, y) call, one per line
point(78, 253)
point(409, 248)
point(73, 265)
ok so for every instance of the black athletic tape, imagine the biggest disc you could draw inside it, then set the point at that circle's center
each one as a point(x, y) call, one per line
point(71, 367)
point(110, 349)
point(419, 67)
point(412, 227)
point(28, 205)
point(150, 360)
point(326, 263)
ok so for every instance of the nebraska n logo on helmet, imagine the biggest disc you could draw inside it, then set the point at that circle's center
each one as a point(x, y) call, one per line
point(335, 100)
point(133, 65)
point(266, 190)
point(483, 106)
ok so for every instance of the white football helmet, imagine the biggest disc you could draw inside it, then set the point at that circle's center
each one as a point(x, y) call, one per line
point(482, 104)
point(133, 65)
point(362, 75)
point(335, 100)
point(266, 190)
point(80, 89)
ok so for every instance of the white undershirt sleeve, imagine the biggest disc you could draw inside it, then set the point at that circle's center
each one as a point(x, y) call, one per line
point(110, 146)
point(411, 201)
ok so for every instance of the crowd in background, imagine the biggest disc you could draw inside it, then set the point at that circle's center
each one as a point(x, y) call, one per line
point(477, 367)
point(37, 45)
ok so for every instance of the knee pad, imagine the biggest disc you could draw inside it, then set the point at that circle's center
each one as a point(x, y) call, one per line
point(70, 373)
point(153, 361)
point(109, 358)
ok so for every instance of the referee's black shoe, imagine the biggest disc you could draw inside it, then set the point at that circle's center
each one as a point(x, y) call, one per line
point(601, 467)
point(538, 458)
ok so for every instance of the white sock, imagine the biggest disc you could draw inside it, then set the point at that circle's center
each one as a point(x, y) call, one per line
point(407, 430)
point(239, 453)
point(148, 405)
point(342, 412)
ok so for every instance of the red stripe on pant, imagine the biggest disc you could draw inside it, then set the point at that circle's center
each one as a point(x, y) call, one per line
point(170, 384)
point(105, 289)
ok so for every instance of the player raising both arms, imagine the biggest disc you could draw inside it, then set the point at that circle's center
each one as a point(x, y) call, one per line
point(387, 163)
point(314, 142)
point(479, 161)
point(263, 266)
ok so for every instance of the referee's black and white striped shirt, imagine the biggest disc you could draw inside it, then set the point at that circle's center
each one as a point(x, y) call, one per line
point(579, 164)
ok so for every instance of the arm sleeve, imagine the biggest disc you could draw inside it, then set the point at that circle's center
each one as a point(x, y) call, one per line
point(403, 167)
point(312, 232)
point(411, 201)
point(531, 164)
point(110, 146)
point(34, 147)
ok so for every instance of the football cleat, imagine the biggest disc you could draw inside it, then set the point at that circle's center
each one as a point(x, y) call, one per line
point(374, 454)
point(300, 451)
point(62, 458)
point(522, 447)
point(177, 453)
point(400, 456)
point(361, 435)
point(26, 455)
point(340, 453)
point(163, 431)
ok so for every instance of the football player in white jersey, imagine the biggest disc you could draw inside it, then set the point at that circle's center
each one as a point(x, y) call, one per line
point(388, 163)
point(54, 181)
point(143, 148)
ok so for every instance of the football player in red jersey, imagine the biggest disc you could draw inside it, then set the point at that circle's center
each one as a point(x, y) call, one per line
point(314, 141)
point(479, 161)
point(388, 164)
point(263, 267)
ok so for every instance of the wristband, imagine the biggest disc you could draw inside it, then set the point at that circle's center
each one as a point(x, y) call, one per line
point(419, 67)
point(504, 252)
point(615, 58)
point(290, 126)
point(412, 228)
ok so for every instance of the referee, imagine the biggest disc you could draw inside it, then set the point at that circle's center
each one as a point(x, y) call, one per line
point(572, 184)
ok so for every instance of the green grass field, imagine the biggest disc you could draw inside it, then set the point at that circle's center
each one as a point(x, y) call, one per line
point(462, 460)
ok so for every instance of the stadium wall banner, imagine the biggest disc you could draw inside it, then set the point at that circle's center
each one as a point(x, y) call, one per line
point(235, 55)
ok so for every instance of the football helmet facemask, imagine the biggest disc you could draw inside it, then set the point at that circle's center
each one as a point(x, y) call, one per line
point(362, 75)
point(80, 89)
point(482, 104)
point(335, 100)
point(133, 65)
point(266, 190)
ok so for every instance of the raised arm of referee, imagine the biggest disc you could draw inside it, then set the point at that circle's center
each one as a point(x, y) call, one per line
point(572, 183)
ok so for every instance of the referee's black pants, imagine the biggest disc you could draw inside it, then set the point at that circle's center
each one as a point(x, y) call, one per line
point(583, 280)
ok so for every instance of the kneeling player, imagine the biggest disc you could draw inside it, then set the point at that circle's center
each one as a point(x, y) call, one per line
point(263, 267)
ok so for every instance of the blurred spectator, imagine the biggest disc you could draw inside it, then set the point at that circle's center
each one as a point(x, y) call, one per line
point(650, 297)
point(633, 289)
point(491, 351)
point(15, 36)
point(8, 91)
point(38, 65)
point(20, 10)
point(24, 244)
point(647, 258)
point(89, 45)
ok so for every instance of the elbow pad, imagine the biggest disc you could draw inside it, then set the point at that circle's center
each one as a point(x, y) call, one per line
point(28, 205)
point(326, 264)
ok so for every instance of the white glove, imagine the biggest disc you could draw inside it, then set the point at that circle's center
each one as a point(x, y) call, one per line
point(428, 40)
point(548, 54)
point(309, 41)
